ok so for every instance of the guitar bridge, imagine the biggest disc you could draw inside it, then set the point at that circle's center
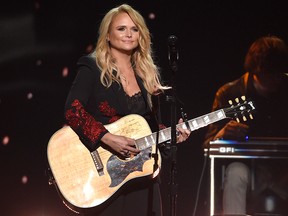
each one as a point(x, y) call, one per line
point(98, 163)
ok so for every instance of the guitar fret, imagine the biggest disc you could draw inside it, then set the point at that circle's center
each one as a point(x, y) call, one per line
point(220, 114)
point(146, 141)
point(166, 135)
point(194, 124)
point(162, 135)
point(152, 139)
point(141, 143)
point(206, 119)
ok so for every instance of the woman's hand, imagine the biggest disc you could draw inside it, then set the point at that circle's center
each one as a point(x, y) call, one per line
point(124, 146)
point(182, 134)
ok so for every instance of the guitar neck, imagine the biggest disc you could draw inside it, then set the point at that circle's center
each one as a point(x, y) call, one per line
point(194, 124)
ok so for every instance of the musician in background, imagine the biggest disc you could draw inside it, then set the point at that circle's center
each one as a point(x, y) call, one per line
point(266, 83)
point(117, 79)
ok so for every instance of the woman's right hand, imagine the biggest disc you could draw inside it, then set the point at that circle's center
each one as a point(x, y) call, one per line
point(122, 145)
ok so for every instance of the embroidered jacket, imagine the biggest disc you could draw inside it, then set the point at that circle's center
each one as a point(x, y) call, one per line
point(90, 105)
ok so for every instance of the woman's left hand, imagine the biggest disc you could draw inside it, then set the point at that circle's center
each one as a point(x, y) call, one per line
point(182, 134)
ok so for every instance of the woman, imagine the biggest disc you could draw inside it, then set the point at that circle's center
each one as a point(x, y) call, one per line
point(119, 78)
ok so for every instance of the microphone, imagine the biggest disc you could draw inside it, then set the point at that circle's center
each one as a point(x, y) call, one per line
point(173, 55)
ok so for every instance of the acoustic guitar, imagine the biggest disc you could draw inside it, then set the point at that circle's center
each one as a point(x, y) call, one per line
point(87, 179)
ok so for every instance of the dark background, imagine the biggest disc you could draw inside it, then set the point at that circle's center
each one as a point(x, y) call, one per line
point(41, 40)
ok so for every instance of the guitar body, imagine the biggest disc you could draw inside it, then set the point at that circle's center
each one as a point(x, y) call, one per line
point(76, 170)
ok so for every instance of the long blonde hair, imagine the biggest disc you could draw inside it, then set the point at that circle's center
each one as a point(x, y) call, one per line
point(141, 59)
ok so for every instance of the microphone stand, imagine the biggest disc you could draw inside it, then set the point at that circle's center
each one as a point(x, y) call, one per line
point(173, 183)
point(172, 99)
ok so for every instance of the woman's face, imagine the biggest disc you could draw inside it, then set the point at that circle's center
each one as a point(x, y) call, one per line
point(123, 34)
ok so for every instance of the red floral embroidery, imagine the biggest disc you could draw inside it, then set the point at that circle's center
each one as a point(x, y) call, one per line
point(77, 118)
point(162, 126)
point(108, 111)
point(114, 118)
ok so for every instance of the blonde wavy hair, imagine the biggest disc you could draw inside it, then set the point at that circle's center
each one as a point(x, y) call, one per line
point(141, 58)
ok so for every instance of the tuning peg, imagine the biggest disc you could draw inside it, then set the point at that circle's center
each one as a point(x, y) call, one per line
point(244, 118)
point(237, 100)
point(243, 98)
point(230, 102)
point(251, 116)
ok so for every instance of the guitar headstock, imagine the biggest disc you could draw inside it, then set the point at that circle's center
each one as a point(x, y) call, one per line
point(241, 109)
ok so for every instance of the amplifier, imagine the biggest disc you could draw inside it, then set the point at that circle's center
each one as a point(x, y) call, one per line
point(256, 147)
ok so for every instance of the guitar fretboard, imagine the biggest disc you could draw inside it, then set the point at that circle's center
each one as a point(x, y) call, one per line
point(194, 124)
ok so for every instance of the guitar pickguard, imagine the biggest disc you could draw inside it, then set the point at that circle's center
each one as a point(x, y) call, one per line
point(119, 169)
